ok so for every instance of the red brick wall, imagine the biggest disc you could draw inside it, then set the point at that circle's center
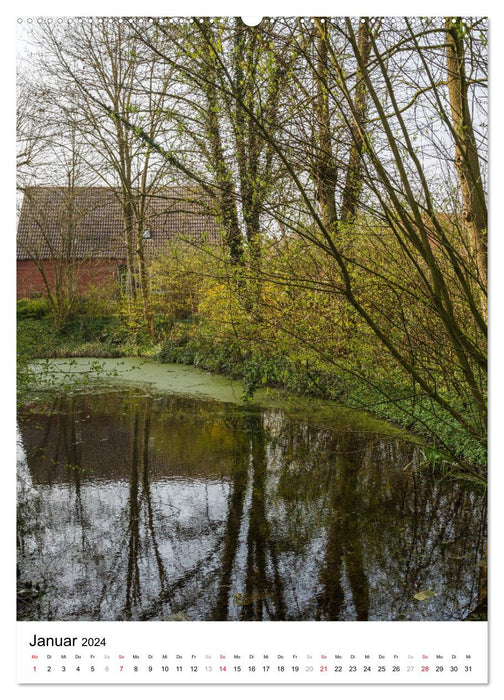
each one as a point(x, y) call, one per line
point(87, 273)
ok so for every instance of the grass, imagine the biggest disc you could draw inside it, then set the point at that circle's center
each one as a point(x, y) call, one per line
point(82, 337)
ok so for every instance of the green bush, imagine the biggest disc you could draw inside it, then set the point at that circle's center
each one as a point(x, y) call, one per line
point(101, 301)
point(177, 280)
point(33, 308)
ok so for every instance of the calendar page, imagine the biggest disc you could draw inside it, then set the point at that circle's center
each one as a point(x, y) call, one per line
point(251, 291)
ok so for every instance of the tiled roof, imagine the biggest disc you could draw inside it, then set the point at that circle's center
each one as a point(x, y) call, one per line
point(90, 221)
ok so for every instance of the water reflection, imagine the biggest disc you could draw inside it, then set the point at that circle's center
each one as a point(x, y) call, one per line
point(155, 508)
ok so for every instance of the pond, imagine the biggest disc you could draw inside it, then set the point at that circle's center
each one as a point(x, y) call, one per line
point(136, 504)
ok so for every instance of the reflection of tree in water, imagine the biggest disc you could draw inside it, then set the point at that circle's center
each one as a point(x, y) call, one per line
point(382, 532)
point(140, 499)
point(231, 533)
point(442, 530)
point(28, 591)
point(344, 545)
point(312, 522)
point(262, 594)
point(59, 448)
point(60, 440)
point(263, 584)
point(133, 570)
point(151, 528)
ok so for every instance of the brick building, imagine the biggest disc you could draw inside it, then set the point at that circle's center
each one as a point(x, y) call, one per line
point(84, 227)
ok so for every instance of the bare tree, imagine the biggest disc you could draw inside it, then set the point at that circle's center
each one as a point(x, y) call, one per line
point(49, 236)
point(101, 63)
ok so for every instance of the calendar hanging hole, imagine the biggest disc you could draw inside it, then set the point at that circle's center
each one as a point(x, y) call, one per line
point(251, 21)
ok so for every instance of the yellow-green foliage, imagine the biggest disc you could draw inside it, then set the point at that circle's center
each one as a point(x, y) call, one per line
point(102, 300)
point(178, 277)
point(298, 309)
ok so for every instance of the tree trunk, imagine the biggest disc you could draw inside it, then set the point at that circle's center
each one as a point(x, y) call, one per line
point(466, 152)
point(226, 196)
point(353, 183)
point(144, 278)
point(326, 172)
point(129, 226)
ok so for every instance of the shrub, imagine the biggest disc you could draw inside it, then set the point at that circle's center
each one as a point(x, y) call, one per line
point(177, 278)
point(33, 308)
point(101, 301)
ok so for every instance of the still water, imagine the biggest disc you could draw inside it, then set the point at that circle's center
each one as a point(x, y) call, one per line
point(134, 505)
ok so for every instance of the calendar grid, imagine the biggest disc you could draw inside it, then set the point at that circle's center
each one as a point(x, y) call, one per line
point(221, 653)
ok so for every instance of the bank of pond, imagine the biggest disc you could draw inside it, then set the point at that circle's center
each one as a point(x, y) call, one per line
point(149, 491)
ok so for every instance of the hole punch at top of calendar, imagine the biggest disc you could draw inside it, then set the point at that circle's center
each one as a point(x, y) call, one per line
point(251, 21)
